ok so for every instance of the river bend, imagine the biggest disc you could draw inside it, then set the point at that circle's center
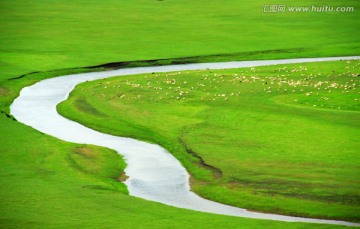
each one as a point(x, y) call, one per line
point(154, 174)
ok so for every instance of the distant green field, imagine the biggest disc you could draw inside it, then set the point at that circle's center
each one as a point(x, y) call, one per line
point(280, 139)
point(41, 36)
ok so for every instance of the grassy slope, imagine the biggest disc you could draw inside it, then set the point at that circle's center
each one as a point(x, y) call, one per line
point(271, 149)
point(45, 35)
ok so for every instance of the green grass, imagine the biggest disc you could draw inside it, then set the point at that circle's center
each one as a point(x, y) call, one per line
point(43, 35)
point(280, 139)
point(51, 37)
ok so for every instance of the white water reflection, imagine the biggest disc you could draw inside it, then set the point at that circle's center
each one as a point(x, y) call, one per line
point(154, 174)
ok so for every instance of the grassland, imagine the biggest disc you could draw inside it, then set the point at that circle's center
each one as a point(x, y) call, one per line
point(52, 38)
point(280, 139)
point(42, 35)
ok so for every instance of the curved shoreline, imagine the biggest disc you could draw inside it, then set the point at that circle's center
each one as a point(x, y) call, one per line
point(154, 173)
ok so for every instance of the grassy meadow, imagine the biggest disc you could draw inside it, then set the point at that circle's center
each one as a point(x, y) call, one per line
point(280, 139)
point(42, 35)
point(49, 183)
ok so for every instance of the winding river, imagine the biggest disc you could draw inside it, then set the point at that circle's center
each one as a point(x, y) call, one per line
point(154, 174)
